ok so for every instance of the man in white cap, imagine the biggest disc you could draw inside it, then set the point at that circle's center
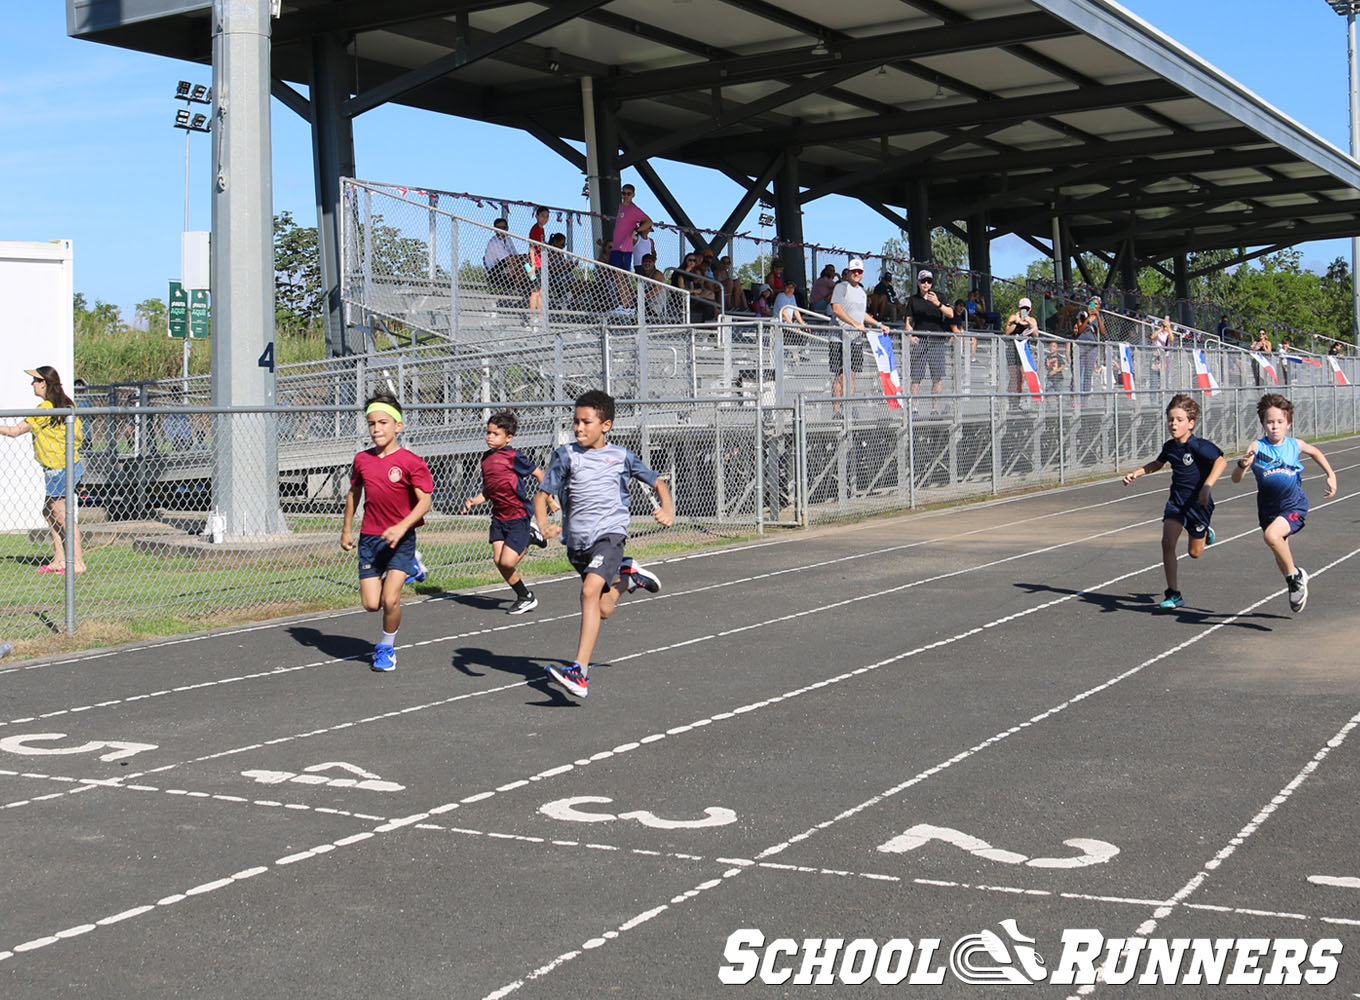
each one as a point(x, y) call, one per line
point(1019, 324)
point(849, 305)
point(926, 314)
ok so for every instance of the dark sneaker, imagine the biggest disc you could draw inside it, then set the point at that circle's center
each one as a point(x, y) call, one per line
point(535, 535)
point(634, 576)
point(1173, 599)
point(384, 657)
point(571, 679)
point(1298, 590)
point(421, 572)
point(526, 603)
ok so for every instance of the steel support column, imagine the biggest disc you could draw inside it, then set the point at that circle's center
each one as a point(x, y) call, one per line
point(1128, 273)
point(789, 220)
point(332, 158)
point(918, 218)
point(245, 472)
point(1181, 265)
point(980, 257)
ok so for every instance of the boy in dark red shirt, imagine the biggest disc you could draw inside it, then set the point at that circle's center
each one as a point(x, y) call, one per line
point(512, 529)
point(395, 487)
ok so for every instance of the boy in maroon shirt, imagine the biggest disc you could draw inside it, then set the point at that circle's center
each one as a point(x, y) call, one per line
point(512, 529)
point(395, 487)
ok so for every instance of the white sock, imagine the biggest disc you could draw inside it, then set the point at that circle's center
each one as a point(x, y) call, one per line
point(388, 639)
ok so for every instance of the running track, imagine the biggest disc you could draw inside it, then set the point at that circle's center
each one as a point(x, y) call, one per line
point(276, 820)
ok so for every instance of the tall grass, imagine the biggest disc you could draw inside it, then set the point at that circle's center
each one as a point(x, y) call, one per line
point(133, 355)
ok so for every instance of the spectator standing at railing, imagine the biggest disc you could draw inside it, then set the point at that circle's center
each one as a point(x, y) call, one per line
point(1019, 326)
point(49, 448)
point(850, 307)
point(1286, 349)
point(1162, 337)
point(537, 234)
point(1056, 363)
point(1084, 333)
point(626, 224)
point(928, 316)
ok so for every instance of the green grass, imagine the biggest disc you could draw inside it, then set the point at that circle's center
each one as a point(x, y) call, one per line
point(127, 595)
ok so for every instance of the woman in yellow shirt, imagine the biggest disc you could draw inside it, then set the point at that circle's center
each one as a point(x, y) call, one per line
point(49, 448)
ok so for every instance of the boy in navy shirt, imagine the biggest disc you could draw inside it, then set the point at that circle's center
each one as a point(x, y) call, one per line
point(591, 478)
point(1196, 465)
point(395, 487)
point(1281, 504)
point(512, 531)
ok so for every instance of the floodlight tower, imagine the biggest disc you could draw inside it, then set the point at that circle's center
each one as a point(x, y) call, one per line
point(1349, 8)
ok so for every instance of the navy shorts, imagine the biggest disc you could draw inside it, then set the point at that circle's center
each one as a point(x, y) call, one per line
point(602, 558)
point(515, 534)
point(1294, 518)
point(622, 259)
point(376, 557)
point(1192, 515)
point(55, 479)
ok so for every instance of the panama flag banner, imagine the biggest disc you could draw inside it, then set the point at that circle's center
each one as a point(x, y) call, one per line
point(1027, 366)
point(881, 342)
point(1266, 366)
point(1299, 359)
point(1336, 370)
point(1203, 377)
point(1126, 369)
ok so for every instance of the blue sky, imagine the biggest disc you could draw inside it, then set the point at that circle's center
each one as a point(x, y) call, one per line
point(88, 151)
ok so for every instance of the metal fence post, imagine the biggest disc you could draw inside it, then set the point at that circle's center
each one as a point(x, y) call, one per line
point(760, 466)
point(69, 538)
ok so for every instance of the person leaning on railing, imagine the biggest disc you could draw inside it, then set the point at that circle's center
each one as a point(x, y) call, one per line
point(49, 448)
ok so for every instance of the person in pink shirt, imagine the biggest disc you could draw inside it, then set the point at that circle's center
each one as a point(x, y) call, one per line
point(537, 234)
point(626, 225)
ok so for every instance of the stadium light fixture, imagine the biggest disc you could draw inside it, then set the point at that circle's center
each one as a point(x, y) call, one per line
point(1350, 8)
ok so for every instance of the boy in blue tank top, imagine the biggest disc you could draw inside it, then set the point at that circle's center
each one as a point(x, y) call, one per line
point(1275, 459)
point(1196, 465)
point(590, 479)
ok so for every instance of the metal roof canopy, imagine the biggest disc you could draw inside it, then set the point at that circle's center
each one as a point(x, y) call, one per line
point(1005, 113)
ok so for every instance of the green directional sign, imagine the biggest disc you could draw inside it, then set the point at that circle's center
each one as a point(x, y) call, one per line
point(198, 313)
point(179, 311)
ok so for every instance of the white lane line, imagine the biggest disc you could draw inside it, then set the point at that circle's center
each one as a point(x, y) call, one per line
point(1006, 890)
point(529, 623)
point(418, 818)
point(1166, 907)
point(977, 748)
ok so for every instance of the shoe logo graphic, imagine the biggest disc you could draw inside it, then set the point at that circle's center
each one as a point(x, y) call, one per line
point(986, 959)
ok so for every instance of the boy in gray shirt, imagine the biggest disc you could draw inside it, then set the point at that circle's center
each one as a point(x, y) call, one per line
point(590, 479)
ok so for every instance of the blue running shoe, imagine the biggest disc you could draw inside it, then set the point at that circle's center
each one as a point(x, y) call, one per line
point(421, 572)
point(1173, 600)
point(1209, 538)
point(384, 657)
point(633, 575)
point(572, 679)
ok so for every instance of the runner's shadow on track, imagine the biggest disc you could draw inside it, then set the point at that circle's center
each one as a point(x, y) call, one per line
point(481, 602)
point(1147, 604)
point(468, 658)
point(341, 647)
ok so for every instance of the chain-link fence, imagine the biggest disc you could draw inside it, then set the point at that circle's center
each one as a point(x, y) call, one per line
point(432, 274)
point(154, 554)
point(862, 458)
